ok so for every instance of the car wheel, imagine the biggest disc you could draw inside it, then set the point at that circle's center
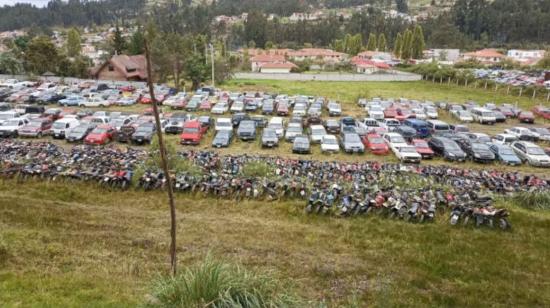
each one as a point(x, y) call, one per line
point(39, 135)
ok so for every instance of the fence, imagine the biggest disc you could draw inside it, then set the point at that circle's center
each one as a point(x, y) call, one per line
point(532, 92)
point(394, 76)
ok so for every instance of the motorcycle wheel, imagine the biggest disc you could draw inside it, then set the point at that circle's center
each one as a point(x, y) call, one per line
point(422, 218)
point(504, 224)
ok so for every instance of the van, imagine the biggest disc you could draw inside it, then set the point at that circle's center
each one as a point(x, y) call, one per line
point(62, 126)
point(223, 124)
point(422, 127)
point(438, 127)
point(483, 116)
point(35, 110)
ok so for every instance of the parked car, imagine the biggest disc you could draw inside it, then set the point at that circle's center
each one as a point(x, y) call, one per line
point(332, 126)
point(94, 102)
point(269, 138)
point(36, 128)
point(522, 133)
point(317, 132)
point(329, 144)
point(407, 132)
point(223, 124)
point(542, 112)
point(375, 112)
point(144, 133)
point(503, 139)
point(301, 145)
point(447, 148)
point(407, 154)
point(423, 148)
point(282, 109)
point(268, 107)
point(334, 109)
point(526, 117)
point(293, 130)
point(174, 126)
point(277, 123)
point(505, 154)
point(222, 139)
point(422, 128)
point(351, 143)
point(238, 117)
point(531, 153)
point(477, 151)
point(541, 133)
point(499, 116)
point(73, 100)
point(100, 135)
point(247, 130)
point(80, 132)
point(375, 144)
point(10, 128)
point(62, 126)
point(236, 107)
point(394, 140)
point(192, 133)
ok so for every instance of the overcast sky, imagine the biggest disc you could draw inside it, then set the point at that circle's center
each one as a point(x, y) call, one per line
point(35, 2)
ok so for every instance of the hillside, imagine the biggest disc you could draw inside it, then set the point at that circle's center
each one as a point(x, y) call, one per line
point(79, 245)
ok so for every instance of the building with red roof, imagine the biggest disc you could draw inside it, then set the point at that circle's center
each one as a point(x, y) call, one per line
point(485, 56)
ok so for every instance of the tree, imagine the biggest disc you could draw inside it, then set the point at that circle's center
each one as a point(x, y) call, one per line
point(136, 45)
point(397, 45)
point(41, 56)
point(544, 63)
point(371, 44)
point(9, 64)
point(418, 44)
point(255, 28)
point(382, 42)
point(118, 42)
point(73, 43)
point(223, 71)
point(407, 45)
point(196, 70)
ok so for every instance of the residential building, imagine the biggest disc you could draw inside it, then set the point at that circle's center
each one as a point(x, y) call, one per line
point(258, 61)
point(485, 56)
point(277, 67)
point(317, 54)
point(528, 57)
point(442, 55)
point(368, 66)
point(122, 67)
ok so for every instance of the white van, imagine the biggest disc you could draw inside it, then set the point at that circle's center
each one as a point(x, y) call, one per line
point(483, 116)
point(438, 127)
point(62, 126)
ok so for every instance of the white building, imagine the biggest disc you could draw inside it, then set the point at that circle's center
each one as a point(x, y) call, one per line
point(443, 55)
point(525, 56)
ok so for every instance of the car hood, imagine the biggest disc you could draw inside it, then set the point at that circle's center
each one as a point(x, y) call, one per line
point(189, 135)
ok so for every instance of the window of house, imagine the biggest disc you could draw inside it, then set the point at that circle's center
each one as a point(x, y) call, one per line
point(111, 68)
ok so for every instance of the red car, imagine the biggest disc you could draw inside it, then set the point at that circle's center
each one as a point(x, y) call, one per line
point(542, 112)
point(375, 144)
point(192, 133)
point(526, 117)
point(100, 135)
point(423, 148)
point(390, 112)
point(282, 109)
point(403, 114)
point(205, 105)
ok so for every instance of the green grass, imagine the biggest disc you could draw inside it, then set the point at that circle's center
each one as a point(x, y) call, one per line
point(77, 245)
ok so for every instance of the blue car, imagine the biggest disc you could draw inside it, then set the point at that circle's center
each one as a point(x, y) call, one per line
point(71, 101)
point(505, 154)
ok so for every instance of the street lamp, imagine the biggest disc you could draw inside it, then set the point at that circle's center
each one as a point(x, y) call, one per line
point(212, 63)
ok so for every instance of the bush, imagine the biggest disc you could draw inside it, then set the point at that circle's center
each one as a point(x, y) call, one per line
point(216, 284)
point(532, 200)
point(257, 169)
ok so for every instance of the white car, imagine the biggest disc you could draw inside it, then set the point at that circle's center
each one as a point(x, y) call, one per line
point(541, 133)
point(419, 113)
point(277, 123)
point(531, 153)
point(220, 108)
point(407, 154)
point(390, 124)
point(8, 115)
point(95, 102)
point(522, 133)
point(329, 144)
point(300, 109)
point(463, 116)
point(317, 133)
point(334, 109)
point(431, 112)
point(504, 139)
point(10, 128)
point(293, 130)
point(176, 100)
point(237, 106)
point(224, 124)
point(375, 112)
point(394, 140)
point(63, 126)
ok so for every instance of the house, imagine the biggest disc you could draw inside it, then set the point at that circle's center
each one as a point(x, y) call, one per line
point(528, 57)
point(375, 55)
point(364, 66)
point(122, 67)
point(442, 55)
point(485, 56)
point(259, 60)
point(319, 54)
point(277, 67)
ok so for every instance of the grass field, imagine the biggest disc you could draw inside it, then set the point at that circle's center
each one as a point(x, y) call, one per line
point(78, 245)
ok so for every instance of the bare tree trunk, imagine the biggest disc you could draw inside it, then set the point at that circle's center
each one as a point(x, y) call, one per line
point(164, 162)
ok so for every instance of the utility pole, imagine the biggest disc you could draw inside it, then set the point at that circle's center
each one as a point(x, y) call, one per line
point(212, 64)
point(164, 162)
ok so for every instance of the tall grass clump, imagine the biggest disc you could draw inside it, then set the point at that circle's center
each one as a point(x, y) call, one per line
point(258, 169)
point(216, 284)
point(532, 200)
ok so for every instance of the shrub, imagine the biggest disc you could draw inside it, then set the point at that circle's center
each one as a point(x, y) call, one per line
point(532, 200)
point(216, 284)
point(257, 169)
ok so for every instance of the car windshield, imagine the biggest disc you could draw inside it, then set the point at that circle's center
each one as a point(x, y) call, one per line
point(79, 129)
point(34, 124)
point(276, 125)
point(506, 151)
point(330, 141)
point(59, 125)
point(144, 129)
point(535, 151)
point(397, 139)
point(99, 130)
point(224, 124)
point(376, 140)
point(407, 150)
point(318, 131)
point(269, 133)
point(190, 130)
point(451, 145)
point(479, 146)
point(6, 116)
point(421, 145)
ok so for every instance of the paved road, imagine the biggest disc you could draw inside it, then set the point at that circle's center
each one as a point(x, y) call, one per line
point(397, 76)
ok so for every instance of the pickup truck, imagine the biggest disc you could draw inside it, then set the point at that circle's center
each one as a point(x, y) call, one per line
point(192, 133)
